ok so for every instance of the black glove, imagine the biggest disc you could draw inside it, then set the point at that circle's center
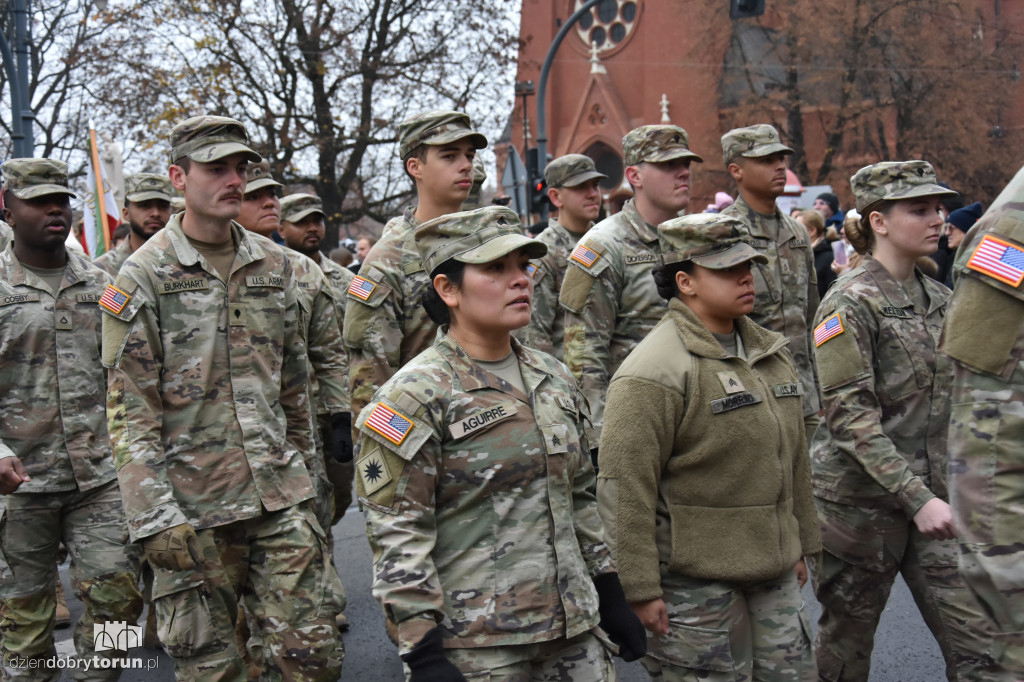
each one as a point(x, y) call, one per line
point(427, 662)
point(617, 619)
point(341, 436)
point(593, 459)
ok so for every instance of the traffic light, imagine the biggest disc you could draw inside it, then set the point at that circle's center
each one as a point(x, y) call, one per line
point(739, 9)
point(538, 189)
point(539, 195)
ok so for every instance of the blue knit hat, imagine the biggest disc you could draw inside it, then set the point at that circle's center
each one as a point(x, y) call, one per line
point(964, 218)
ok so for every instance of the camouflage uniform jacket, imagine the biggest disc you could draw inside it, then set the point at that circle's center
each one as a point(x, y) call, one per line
point(51, 382)
point(328, 361)
point(704, 459)
point(479, 501)
point(885, 389)
point(339, 279)
point(984, 337)
point(612, 304)
point(207, 398)
point(389, 327)
point(786, 289)
point(6, 235)
point(111, 261)
point(546, 329)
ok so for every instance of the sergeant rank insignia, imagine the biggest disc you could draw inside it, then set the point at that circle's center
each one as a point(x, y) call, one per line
point(388, 423)
point(584, 256)
point(998, 259)
point(361, 288)
point(833, 326)
point(114, 300)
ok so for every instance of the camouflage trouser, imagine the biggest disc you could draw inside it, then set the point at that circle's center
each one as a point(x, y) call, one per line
point(864, 551)
point(732, 632)
point(277, 564)
point(104, 574)
point(986, 486)
point(584, 658)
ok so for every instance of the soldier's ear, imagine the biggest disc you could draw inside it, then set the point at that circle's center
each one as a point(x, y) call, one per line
point(736, 171)
point(415, 167)
point(633, 177)
point(684, 284)
point(447, 290)
point(177, 176)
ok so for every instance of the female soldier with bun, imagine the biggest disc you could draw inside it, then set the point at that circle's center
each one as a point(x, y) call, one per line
point(475, 475)
point(704, 481)
point(879, 459)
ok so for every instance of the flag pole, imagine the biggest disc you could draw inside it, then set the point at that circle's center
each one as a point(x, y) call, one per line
point(101, 205)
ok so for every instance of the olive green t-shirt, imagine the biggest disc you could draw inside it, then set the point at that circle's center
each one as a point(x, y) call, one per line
point(507, 368)
point(51, 277)
point(220, 256)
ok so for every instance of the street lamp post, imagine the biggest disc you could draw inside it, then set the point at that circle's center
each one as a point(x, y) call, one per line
point(542, 121)
point(17, 64)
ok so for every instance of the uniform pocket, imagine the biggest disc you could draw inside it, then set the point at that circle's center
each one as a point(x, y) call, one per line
point(691, 647)
point(185, 623)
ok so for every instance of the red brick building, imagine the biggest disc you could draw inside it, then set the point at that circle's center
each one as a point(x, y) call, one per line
point(663, 60)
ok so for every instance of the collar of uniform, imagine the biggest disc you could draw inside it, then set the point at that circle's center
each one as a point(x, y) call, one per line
point(647, 233)
point(893, 289)
point(786, 229)
point(18, 275)
point(470, 375)
point(248, 250)
point(757, 341)
point(562, 235)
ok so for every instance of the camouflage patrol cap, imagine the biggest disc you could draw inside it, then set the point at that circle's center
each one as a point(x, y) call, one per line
point(477, 236)
point(295, 207)
point(656, 144)
point(30, 178)
point(436, 128)
point(479, 171)
point(145, 186)
point(891, 180)
point(711, 240)
point(571, 170)
point(208, 138)
point(177, 204)
point(258, 176)
point(752, 142)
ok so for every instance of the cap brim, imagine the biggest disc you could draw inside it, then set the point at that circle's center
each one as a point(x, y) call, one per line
point(42, 191)
point(929, 190)
point(767, 150)
point(299, 215)
point(219, 150)
point(577, 180)
point(478, 140)
point(672, 155)
point(502, 246)
point(260, 184)
point(146, 196)
point(734, 255)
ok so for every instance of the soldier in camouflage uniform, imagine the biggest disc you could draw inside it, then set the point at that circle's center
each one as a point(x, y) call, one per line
point(210, 424)
point(147, 208)
point(608, 291)
point(704, 481)
point(477, 444)
point(572, 187)
point(56, 475)
point(983, 336)
point(879, 468)
point(385, 326)
point(787, 285)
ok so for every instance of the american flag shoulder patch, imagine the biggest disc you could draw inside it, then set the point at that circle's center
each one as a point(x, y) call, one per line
point(833, 326)
point(114, 300)
point(531, 270)
point(388, 423)
point(584, 256)
point(361, 287)
point(999, 260)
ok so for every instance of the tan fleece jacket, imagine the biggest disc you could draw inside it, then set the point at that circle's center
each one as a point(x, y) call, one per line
point(703, 458)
